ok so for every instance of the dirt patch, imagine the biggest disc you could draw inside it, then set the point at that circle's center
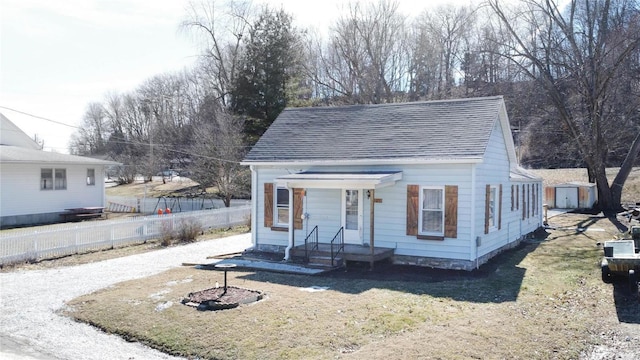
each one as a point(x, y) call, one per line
point(219, 298)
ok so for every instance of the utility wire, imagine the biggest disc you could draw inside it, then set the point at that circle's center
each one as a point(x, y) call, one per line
point(125, 142)
point(39, 117)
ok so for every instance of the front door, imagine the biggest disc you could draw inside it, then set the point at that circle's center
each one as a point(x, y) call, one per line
point(352, 216)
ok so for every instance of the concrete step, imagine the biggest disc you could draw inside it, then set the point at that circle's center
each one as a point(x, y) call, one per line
point(319, 261)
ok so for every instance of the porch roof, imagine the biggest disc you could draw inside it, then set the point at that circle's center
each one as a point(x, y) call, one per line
point(340, 180)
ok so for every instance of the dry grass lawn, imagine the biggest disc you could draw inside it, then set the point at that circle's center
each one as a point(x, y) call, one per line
point(543, 300)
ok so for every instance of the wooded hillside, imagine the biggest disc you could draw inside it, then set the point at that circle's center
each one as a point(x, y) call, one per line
point(570, 76)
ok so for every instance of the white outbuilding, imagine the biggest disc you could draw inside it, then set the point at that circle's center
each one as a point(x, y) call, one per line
point(571, 195)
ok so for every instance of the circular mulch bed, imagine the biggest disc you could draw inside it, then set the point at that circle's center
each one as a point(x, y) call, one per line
point(217, 299)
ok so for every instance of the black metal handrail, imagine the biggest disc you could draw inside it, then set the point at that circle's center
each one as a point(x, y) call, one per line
point(340, 245)
point(313, 239)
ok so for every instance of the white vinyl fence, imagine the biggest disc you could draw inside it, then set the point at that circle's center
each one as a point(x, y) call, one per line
point(52, 241)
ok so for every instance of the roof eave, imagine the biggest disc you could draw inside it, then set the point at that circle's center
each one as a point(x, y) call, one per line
point(352, 162)
point(101, 162)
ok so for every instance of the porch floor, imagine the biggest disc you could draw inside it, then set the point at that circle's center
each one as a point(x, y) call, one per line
point(351, 252)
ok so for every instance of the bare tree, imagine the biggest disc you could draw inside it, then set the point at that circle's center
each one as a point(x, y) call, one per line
point(217, 149)
point(364, 61)
point(221, 27)
point(91, 137)
point(445, 29)
point(576, 54)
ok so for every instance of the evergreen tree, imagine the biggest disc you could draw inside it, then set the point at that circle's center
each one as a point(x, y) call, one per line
point(260, 90)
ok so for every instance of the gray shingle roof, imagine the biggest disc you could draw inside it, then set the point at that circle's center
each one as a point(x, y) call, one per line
point(431, 130)
point(15, 154)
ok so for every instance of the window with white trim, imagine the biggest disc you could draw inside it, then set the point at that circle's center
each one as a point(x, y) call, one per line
point(46, 179)
point(91, 176)
point(493, 207)
point(282, 206)
point(53, 179)
point(431, 214)
point(61, 179)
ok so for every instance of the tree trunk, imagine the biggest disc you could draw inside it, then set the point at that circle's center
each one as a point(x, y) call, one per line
point(625, 170)
point(605, 199)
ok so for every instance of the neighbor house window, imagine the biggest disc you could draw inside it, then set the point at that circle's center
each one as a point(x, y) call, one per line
point(46, 179)
point(431, 211)
point(91, 176)
point(53, 179)
point(61, 179)
point(282, 206)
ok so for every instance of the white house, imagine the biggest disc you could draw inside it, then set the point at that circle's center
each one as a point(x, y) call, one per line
point(427, 183)
point(37, 186)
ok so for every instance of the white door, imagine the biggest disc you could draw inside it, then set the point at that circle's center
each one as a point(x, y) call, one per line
point(352, 216)
point(566, 198)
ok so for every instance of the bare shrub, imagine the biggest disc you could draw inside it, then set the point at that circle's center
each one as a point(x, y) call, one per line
point(168, 234)
point(188, 230)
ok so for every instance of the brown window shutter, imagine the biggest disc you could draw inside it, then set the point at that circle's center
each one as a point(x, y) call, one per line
point(413, 206)
point(268, 205)
point(487, 199)
point(298, 195)
point(451, 211)
point(500, 208)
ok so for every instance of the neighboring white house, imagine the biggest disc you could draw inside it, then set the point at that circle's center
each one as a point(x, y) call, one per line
point(438, 182)
point(37, 186)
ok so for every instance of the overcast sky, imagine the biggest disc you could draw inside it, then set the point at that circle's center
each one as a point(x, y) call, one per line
point(57, 56)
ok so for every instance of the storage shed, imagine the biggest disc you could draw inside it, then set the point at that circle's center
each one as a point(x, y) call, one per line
point(571, 195)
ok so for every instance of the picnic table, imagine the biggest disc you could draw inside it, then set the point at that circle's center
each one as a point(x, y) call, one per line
point(83, 213)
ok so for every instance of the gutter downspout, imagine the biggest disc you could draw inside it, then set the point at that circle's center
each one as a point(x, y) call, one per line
point(474, 238)
point(372, 212)
point(291, 229)
point(254, 206)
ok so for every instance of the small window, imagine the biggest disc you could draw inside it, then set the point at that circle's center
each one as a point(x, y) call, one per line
point(46, 179)
point(91, 176)
point(61, 179)
point(493, 207)
point(431, 211)
point(282, 206)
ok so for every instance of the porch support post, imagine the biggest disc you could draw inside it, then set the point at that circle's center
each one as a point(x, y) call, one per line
point(291, 229)
point(372, 202)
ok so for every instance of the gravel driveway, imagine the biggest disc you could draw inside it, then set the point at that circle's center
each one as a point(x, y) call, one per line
point(29, 300)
